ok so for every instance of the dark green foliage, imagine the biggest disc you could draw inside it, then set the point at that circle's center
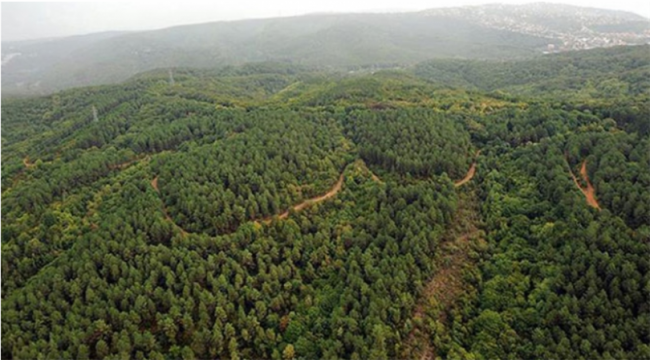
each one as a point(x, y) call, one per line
point(418, 141)
point(619, 164)
point(97, 263)
point(561, 276)
point(594, 73)
point(318, 278)
point(282, 158)
point(90, 257)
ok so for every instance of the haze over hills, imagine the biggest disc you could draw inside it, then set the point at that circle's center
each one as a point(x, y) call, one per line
point(576, 28)
point(332, 41)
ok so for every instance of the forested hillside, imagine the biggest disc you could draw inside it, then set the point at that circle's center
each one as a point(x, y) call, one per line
point(271, 211)
point(581, 75)
point(349, 42)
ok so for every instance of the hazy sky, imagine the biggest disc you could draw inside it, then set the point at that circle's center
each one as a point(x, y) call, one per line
point(32, 20)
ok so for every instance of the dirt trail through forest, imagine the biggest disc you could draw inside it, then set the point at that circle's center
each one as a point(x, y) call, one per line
point(589, 192)
point(298, 207)
point(333, 191)
point(447, 284)
point(154, 183)
point(470, 173)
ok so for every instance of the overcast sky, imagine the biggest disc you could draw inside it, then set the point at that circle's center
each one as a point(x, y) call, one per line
point(21, 21)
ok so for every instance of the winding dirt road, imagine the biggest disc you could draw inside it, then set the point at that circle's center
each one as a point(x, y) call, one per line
point(333, 191)
point(589, 192)
point(468, 177)
point(470, 173)
point(154, 183)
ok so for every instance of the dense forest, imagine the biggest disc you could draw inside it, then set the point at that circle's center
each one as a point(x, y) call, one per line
point(580, 75)
point(272, 211)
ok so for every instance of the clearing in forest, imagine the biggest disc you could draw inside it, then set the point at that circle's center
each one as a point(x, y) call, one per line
point(447, 284)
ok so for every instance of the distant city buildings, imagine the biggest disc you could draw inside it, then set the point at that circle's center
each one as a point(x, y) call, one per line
point(567, 27)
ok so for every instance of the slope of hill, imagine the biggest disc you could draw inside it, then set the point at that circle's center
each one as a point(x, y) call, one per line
point(269, 211)
point(576, 28)
point(26, 64)
point(343, 41)
point(624, 71)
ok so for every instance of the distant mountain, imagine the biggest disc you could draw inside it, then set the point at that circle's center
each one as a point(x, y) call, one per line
point(341, 41)
point(26, 64)
point(577, 28)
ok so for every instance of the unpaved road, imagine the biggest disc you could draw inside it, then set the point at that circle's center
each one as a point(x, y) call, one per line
point(154, 183)
point(333, 191)
point(468, 177)
point(589, 192)
point(470, 173)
